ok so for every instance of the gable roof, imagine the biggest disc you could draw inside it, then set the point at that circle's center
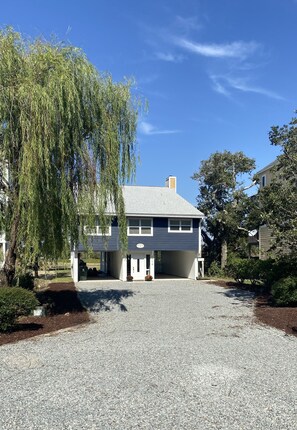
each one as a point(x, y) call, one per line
point(157, 201)
point(268, 167)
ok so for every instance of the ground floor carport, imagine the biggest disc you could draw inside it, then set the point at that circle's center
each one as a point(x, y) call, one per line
point(140, 263)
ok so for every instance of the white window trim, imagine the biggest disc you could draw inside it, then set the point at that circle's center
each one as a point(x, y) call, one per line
point(97, 232)
point(140, 234)
point(180, 230)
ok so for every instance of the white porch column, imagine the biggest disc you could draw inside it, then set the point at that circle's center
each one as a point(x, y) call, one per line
point(74, 266)
point(5, 247)
point(200, 267)
point(152, 265)
point(123, 274)
point(103, 262)
point(199, 238)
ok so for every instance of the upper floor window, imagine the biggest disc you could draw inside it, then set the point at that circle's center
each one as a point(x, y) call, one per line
point(140, 227)
point(180, 225)
point(97, 230)
point(263, 181)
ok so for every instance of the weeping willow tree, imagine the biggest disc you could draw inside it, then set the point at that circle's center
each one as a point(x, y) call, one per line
point(67, 144)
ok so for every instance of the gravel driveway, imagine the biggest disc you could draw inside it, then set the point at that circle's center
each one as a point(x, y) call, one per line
point(160, 355)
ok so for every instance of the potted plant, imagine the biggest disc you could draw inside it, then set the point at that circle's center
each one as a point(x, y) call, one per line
point(148, 278)
point(129, 278)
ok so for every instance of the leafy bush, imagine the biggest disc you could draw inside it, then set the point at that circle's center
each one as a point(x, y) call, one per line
point(15, 302)
point(264, 272)
point(24, 280)
point(215, 270)
point(241, 270)
point(284, 291)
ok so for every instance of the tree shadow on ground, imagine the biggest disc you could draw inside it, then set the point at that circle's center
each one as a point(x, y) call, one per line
point(241, 292)
point(60, 299)
point(240, 295)
point(104, 300)
point(27, 327)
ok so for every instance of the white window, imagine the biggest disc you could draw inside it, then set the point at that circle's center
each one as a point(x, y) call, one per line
point(97, 230)
point(180, 225)
point(140, 227)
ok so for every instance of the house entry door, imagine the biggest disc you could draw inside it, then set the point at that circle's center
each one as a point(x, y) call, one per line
point(138, 266)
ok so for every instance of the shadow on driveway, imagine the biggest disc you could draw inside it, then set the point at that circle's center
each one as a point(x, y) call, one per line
point(104, 300)
point(243, 296)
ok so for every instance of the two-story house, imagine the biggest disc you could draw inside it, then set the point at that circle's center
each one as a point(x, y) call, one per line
point(265, 237)
point(164, 236)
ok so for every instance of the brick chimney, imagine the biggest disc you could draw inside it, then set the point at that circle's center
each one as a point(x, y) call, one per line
point(171, 183)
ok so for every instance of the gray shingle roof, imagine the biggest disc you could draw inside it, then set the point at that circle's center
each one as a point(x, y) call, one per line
point(157, 201)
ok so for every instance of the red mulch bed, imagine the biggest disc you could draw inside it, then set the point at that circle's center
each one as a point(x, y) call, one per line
point(64, 310)
point(282, 318)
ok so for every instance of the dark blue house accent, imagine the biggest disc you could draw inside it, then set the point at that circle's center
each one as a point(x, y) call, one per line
point(163, 232)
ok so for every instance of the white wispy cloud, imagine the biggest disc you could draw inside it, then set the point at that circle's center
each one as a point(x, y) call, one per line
point(168, 56)
point(187, 24)
point(219, 88)
point(228, 50)
point(149, 129)
point(223, 85)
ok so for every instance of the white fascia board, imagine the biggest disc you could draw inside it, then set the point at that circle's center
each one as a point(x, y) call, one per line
point(268, 167)
point(164, 215)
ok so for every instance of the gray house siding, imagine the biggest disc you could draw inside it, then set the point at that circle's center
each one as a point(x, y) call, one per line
point(161, 240)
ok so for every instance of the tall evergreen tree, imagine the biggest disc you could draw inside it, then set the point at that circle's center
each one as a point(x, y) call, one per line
point(67, 141)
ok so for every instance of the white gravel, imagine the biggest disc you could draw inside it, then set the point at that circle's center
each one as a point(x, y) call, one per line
point(166, 355)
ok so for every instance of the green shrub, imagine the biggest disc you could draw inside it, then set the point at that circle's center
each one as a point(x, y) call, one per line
point(215, 270)
point(24, 280)
point(264, 272)
point(15, 302)
point(284, 291)
point(241, 269)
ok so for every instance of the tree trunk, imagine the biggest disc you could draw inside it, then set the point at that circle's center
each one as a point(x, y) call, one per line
point(224, 251)
point(10, 258)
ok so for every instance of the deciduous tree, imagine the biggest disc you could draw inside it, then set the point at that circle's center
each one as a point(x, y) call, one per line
point(223, 200)
point(67, 141)
point(279, 200)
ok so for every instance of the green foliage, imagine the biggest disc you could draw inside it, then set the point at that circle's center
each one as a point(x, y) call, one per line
point(284, 292)
point(241, 270)
point(67, 138)
point(223, 200)
point(15, 302)
point(264, 272)
point(279, 200)
point(24, 280)
point(215, 270)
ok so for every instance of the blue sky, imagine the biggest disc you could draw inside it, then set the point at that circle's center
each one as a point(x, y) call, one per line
point(217, 74)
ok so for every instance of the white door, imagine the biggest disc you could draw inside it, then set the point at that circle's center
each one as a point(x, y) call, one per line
point(138, 266)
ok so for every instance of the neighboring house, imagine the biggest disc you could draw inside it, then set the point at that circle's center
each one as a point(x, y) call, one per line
point(164, 236)
point(265, 238)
